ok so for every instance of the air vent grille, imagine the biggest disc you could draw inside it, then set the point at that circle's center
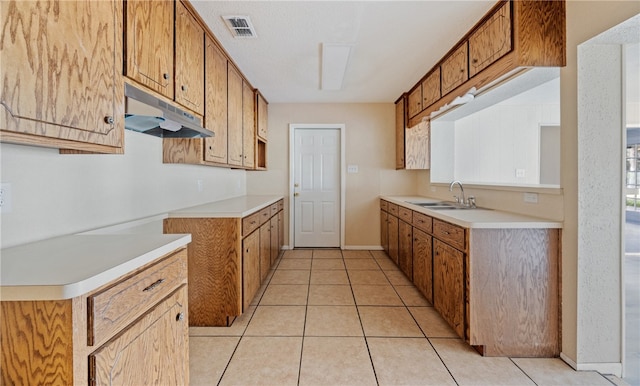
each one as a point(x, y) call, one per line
point(240, 26)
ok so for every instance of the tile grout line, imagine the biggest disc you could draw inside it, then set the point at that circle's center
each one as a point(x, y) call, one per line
point(364, 335)
point(523, 372)
point(304, 325)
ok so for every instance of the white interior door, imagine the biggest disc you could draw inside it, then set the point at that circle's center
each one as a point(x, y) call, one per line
point(316, 188)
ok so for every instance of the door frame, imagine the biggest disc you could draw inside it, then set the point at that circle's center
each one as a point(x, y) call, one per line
point(320, 126)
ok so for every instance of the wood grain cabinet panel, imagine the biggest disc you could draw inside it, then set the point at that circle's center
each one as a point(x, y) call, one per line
point(448, 285)
point(275, 237)
point(280, 233)
point(417, 142)
point(414, 103)
point(451, 234)
point(151, 351)
point(384, 231)
point(405, 248)
point(490, 41)
point(149, 44)
point(61, 75)
point(250, 268)
point(235, 117)
point(431, 88)
point(248, 126)
point(423, 263)
point(393, 238)
point(454, 69)
point(265, 250)
point(189, 65)
point(215, 118)
point(401, 121)
point(262, 116)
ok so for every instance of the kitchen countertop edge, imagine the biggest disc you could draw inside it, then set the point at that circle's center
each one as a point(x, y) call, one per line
point(476, 218)
point(236, 207)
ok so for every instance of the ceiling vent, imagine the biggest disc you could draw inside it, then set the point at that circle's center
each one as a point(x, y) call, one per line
point(240, 26)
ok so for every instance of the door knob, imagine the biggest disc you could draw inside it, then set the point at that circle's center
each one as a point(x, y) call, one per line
point(296, 185)
point(296, 194)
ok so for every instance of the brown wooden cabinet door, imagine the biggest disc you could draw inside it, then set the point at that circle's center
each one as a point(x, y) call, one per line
point(153, 350)
point(275, 237)
point(263, 117)
point(454, 69)
point(400, 131)
point(491, 41)
point(149, 44)
point(215, 118)
point(189, 70)
point(393, 238)
point(280, 231)
point(431, 88)
point(384, 230)
point(60, 73)
point(235, 116)
point(423, 263)
point(248, 126)
point(448, 285)
point(414, 104)
point(250, 268)
point(265, 250)
point(405, 249)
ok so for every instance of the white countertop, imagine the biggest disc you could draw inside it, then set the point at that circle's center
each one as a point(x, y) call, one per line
point(69, 266)
point(474, 218)
point(233, 207)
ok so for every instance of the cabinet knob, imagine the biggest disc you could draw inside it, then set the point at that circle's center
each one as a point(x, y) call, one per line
point(180, 317)
point(474, 61)
point(183, 87)
point(108, 120)
point(165, 76)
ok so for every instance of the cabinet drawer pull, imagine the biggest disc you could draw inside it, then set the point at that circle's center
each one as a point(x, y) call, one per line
point(180, 317)
point(153, 285)
point(108, 120)
point(165, 75)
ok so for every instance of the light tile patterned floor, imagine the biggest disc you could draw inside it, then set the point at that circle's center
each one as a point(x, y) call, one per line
point(330, 317)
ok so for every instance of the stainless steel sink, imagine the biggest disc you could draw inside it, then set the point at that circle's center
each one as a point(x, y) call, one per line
point(441, 205)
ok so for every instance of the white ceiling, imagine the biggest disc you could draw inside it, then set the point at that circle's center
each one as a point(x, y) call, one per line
point(394, 43)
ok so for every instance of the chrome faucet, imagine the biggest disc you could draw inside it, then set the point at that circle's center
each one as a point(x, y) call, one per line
point(470, 202)
point(459, 200)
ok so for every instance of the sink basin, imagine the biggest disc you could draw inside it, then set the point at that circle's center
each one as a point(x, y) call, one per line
point(441, 205)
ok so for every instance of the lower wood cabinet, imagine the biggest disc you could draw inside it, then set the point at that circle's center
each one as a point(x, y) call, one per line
point(405, 248)
point(448, 285)
point(229, 258)
point(131, 331)
point(423, 263)
point(497, 288)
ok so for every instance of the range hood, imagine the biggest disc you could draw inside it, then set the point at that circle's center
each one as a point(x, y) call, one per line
point(148, 114)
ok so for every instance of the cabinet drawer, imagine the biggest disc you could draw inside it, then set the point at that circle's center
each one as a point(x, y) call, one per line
point(116, 307)
point(280, 205)
point(274, 209)
point(393, 209)
point(449, 233)
point(384, 205)
point(250, 223)
point(422, 222)
point(265, 215)
point(405, 214)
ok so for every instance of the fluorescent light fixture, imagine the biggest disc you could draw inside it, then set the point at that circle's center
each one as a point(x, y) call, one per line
point(334, 65)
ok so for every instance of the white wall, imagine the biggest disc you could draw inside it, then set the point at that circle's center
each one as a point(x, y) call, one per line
point(57, 194)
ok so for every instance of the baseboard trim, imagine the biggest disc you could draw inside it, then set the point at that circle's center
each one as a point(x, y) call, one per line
point(602, 368)
point(363, 247)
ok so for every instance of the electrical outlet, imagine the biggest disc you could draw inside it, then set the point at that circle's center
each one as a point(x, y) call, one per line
point(5, 197)
point(199, 182)
point(520, 173)
point(352, 168)
point(531, 198)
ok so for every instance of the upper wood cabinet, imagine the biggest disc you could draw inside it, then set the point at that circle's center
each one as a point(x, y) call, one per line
point(215, 118)
point(61, 75)
point(248, 126)
point(400, 128)
point(189, 68)
point(490, 41)
point(262, 116)
point(511, 36)
point(417, 146)
point(454, 69)
point(431, 88)
point(234, 96)
point(414, 102)
point(149, 44)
